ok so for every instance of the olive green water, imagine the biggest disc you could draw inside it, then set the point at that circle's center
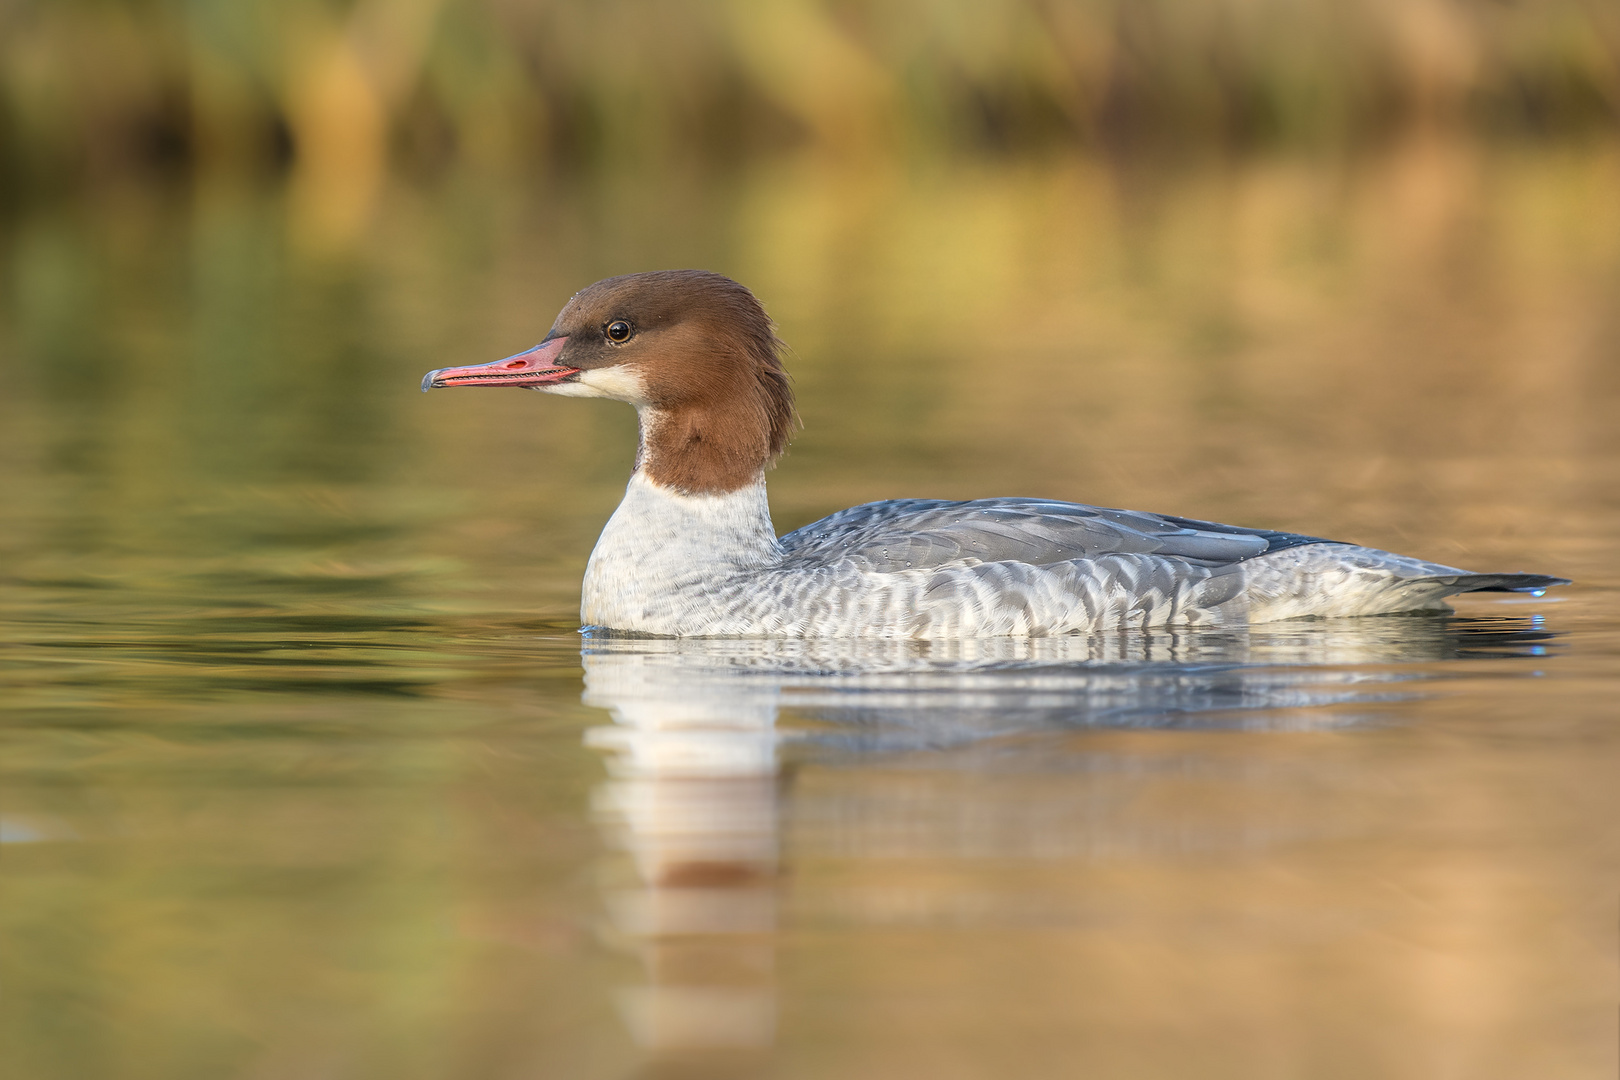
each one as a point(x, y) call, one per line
point(307, 771)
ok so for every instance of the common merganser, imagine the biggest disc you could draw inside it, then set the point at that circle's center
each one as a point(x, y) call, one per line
point(691, 550)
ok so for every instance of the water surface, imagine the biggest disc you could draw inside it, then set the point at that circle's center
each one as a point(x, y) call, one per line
point(309, 772)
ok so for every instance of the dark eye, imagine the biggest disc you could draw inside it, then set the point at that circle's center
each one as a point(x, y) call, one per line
point(618, 330)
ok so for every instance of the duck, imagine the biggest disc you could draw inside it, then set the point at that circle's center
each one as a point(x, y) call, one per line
point(691, 550)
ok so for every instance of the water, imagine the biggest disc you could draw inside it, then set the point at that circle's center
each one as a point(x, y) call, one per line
point(308, 771)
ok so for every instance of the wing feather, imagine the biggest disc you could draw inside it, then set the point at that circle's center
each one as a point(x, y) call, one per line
point(922, 533)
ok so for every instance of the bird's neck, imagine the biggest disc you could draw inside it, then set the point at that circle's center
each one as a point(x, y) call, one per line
point(716, 449)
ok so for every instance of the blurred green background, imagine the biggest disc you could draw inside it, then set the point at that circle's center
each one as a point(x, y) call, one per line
point(90, 88)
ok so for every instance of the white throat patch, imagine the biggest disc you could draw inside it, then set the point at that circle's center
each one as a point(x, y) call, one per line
point(618, 383)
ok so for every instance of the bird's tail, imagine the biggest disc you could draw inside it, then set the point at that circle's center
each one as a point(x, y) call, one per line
point(1461, 583)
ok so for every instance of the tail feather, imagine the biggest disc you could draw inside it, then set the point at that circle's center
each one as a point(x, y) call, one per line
point(1461, 583)
point(1343, 579)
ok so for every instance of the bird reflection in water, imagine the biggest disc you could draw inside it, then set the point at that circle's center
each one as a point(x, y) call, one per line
point(695, 757)
point(692, 800)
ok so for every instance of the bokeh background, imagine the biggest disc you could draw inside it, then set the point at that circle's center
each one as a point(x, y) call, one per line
point(345, 90)
point(292, 780)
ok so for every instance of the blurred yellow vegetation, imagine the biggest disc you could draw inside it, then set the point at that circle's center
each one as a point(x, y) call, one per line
point(341, 90)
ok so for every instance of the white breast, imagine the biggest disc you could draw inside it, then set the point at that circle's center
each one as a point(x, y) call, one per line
point(663, 555)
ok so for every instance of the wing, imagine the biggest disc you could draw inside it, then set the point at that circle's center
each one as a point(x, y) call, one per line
point(923, 533)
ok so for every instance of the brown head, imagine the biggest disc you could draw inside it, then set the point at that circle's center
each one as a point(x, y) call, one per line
point(693, 351)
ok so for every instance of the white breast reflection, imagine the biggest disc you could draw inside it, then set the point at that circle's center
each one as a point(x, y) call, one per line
point(695, 753)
